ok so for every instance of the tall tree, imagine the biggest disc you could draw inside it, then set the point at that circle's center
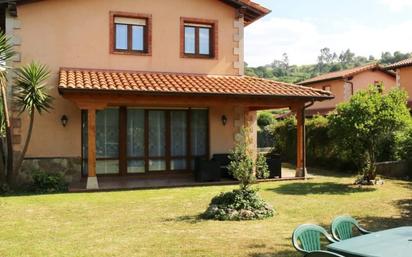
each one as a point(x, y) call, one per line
point(31, 96)
point(366, 121)
point(346, 58)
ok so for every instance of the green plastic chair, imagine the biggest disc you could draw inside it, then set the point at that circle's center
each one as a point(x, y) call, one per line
point(323, 254)
point(342, 228)
point(306, 238)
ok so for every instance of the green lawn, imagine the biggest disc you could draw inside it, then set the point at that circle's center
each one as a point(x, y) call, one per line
point(164, 222)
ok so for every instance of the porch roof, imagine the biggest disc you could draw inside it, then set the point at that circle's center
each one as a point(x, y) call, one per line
point(80, 80)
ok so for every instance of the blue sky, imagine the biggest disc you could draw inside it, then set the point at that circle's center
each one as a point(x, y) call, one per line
point(302, 27)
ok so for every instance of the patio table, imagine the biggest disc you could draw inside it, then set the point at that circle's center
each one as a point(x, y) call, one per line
point(396, 242)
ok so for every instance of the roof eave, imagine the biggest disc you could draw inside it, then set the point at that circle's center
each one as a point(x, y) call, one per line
point(252, 11)
point(395, 67)
point(304, 83)
point(64, 90)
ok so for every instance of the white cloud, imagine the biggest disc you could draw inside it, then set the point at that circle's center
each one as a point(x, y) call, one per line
point(397, 5)
point(269, 39)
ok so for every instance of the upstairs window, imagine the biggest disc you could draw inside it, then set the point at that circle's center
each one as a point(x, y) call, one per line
point(198, 38)
point(130, 34)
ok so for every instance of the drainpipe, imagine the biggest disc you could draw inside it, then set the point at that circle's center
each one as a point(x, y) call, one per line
point(348, 80)
point(304, 136)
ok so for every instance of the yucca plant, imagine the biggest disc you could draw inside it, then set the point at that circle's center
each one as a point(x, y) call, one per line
point(31, 96)
point(6, 53)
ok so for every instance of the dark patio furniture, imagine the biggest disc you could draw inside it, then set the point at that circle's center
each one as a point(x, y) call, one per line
point(223, 160)
point(206, 170)
point(274, 163)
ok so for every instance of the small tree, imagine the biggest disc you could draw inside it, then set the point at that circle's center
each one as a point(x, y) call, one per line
point(31, 96)
point(242, 165)
point(368, 119)
point(243, 203)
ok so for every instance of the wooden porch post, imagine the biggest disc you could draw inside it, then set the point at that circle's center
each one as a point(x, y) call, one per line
point(300, 143)
point(92, 182)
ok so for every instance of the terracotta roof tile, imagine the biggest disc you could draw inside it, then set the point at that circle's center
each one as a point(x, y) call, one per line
point(149, 82)
point(342, 74)
point(404, 63)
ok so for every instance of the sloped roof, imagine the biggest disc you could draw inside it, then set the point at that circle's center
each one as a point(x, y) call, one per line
point(404, 63)
point(344, 73)
point(251, 10)
point(177, 83)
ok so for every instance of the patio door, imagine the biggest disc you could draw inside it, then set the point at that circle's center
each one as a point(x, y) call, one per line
point(156, 140)
point(138, 141)
point(178, 140)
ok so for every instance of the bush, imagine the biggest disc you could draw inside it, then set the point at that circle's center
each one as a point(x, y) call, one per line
point(262, 169)
point(243, 204)
point(241, 164)
point(322, 149)
point(48, 183)
point(264, 119)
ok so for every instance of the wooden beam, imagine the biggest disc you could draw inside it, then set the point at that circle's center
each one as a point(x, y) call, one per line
point(88, 100)
point(300, 143)
point(91, 150)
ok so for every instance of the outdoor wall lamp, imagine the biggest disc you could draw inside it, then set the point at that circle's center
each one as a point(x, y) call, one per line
point(224, 120)
point(64, 119)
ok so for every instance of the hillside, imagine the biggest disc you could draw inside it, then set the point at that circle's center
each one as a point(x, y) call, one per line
point(328, 61)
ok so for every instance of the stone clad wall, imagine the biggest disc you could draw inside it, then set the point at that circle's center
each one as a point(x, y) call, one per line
point(70, 168)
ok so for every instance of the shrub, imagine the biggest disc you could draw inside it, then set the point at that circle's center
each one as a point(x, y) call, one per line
point(242, 165)
point(323, 150)
point(48, 183)
point(264, 119)
point(262, 169)
point(243, 204)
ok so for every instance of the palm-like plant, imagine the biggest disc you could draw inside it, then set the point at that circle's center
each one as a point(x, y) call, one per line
point(6, 53)
point(31, 95)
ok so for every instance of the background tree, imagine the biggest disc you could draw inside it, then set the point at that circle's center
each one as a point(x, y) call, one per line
point(327, 61)
point(265, 118)
point(388, 58)
point(31, 96)
point(6, 53)
point(366, 121)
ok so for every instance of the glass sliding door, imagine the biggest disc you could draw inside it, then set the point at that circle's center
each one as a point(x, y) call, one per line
point(157, 140)
point(178, 140)
point(199, 133)
point(107, 141)
point(135, 141)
